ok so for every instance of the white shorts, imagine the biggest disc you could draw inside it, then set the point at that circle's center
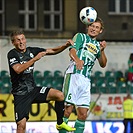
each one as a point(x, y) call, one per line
point(76, 89)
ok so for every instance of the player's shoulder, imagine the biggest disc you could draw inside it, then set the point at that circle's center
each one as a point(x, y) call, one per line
point(80, 35)
point(32, 48)
point(11, 51)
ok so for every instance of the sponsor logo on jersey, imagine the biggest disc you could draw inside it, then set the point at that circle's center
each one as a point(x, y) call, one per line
point(13, 60)
point(29, 69)
point(90, 51)
point(43, 90)
point(31, 55)
point(92, 48)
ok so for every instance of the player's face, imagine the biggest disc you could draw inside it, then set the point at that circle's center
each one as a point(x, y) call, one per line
point(20, 43)
point(94, 29)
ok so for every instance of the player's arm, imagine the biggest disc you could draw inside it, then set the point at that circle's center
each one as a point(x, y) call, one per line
point(58, 49)
point(79, 63)
point(18, 68)
point(102, 59)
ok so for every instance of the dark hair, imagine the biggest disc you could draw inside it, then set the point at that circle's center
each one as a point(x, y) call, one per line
point(15, 33)
point(129, 96)
point(131, 57)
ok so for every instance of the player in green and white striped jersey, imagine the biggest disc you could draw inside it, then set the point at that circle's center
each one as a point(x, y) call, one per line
point(76, 88)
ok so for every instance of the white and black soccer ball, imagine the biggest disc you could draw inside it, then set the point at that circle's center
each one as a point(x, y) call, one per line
point(88, 15)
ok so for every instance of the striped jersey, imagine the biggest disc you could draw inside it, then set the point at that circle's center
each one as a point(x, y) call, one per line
point(88, 50)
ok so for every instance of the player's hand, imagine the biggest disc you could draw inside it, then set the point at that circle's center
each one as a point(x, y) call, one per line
point(39, 55)
point(69, 42)
point(79, 64)
point(102, 45)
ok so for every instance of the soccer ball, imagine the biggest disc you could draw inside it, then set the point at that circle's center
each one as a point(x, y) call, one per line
point(88, 15)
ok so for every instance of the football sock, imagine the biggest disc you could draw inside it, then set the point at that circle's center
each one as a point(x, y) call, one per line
point(79, 125)
point(59, 109)
point(65, 119)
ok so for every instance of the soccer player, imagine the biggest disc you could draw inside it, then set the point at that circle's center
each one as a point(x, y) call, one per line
point(83, 54)
point(21, 61)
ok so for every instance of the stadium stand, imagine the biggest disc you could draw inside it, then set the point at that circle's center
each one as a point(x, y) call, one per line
point(47, 81)
point(98, 74)
point(118, 75)
point(57, 73)
point(111, 81)
point(4, 73)
point(112, 90)
point(123, 89)
point(108, 82)
point(37, 73)
point(103, 89)
point(38, 77)
point(47, 74)
point(94, 90)
point(109, 74)
point(101, 82)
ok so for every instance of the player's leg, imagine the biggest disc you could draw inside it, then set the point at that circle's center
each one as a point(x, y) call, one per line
point(58, 97)
point(81, 117)
point(125, 122)
point(82, 103)
point(67, 112)
point(21, 126)
point(70, 88)
point(132, 126)
point(22, 105)
point(44, 94)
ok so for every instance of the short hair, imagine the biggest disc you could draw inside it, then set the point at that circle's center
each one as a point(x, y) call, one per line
point(129, 96)
point(15, 33)
point(101, 22)
point(131, 57)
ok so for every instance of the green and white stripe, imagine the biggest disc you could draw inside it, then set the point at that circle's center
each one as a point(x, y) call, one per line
point(88, 50)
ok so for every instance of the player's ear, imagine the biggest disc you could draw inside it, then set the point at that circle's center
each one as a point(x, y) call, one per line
point(101, 31)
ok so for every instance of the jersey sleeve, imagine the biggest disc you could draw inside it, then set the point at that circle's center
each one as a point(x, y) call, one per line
point(78, 40)
point(99, 51)
point(12, 58)
point(36, 50)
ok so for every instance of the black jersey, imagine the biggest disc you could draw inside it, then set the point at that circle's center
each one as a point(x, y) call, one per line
point(23, 82)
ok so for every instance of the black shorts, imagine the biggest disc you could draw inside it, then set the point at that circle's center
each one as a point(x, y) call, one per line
point(22, 103)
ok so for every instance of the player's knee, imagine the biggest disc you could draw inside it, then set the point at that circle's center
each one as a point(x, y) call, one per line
point(82, 116)
point(67, 114)
point(60, 96)
point(21, 126)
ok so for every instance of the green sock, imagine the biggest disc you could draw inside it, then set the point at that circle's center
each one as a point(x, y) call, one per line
point(65, 119)
point(79, 125)
point(63, 130)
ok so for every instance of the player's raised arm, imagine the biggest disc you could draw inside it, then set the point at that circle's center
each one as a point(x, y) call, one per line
point(58, 49)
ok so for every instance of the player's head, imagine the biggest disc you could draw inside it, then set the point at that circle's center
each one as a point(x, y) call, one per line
point(101, 22)
point(95, 28)
point(18, 40)
point(15, 33)
point(131, 57)
point(129, 96)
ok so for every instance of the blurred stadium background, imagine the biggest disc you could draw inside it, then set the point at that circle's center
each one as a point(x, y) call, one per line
point(48, 23)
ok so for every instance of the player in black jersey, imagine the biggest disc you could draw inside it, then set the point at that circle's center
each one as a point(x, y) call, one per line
point(21, 61)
